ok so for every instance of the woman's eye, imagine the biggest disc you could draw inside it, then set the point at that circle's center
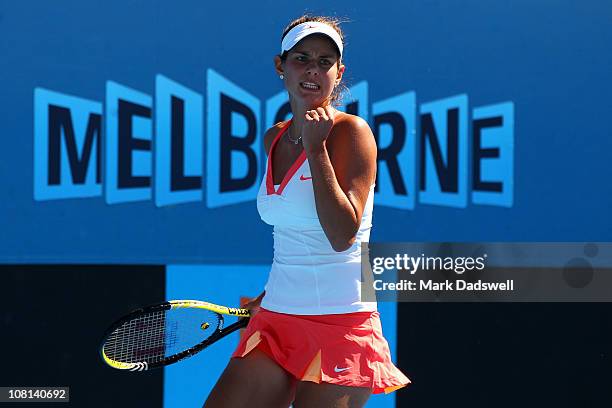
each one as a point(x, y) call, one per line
point(325, 62)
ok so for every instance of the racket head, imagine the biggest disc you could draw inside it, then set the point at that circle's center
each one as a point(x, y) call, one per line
point(162, 334)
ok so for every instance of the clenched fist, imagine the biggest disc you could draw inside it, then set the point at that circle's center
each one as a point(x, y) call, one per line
point(317, 126)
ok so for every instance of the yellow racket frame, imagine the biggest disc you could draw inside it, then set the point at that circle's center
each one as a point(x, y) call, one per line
point(175, 304)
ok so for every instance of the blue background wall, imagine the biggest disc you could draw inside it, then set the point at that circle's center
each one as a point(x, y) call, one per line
point(549, 58)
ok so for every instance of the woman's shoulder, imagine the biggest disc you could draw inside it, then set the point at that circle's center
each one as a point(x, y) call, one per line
point(351, 127)
point(349, 121)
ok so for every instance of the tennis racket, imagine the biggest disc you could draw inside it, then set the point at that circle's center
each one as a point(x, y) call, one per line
point(162, 334)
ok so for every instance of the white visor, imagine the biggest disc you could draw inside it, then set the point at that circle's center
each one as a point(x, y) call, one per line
point(310, 27)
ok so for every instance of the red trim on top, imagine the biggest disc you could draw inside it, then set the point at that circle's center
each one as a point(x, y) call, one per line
point(296, 165)
point(270, 175)
point(292, 170)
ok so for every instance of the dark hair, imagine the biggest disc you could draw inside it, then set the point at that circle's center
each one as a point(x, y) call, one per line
point(337, 93)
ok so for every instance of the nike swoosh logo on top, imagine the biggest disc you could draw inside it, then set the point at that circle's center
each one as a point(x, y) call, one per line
point(339, 370)
point(304, 178)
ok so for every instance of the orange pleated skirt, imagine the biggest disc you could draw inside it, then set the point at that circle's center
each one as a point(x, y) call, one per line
point(343, 349)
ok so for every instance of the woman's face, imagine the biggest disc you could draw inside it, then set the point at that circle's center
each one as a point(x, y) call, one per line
point(311, 70)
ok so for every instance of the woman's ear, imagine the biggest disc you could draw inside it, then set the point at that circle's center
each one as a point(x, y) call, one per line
point(341, 69)
point(278, 65)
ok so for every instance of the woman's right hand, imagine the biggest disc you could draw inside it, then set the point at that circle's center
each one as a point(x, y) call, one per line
point(254, 305)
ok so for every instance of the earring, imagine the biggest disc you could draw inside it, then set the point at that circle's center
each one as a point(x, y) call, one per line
point(281, 76)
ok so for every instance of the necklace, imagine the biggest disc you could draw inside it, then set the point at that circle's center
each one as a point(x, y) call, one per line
point(292, 140)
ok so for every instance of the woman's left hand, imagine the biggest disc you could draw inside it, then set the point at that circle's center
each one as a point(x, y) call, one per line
point(317, 126)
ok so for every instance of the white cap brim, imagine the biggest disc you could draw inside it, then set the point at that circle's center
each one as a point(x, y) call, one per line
point(303, 30)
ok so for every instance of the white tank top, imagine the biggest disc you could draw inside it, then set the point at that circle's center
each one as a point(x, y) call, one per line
point(308, 276)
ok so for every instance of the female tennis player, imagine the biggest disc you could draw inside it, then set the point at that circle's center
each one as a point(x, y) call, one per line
point(313, 341)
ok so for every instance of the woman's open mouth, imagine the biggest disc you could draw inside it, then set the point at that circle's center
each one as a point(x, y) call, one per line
point(310, 86)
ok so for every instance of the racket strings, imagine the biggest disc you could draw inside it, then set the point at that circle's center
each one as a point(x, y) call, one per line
point(155, 336)
point(138, 339)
